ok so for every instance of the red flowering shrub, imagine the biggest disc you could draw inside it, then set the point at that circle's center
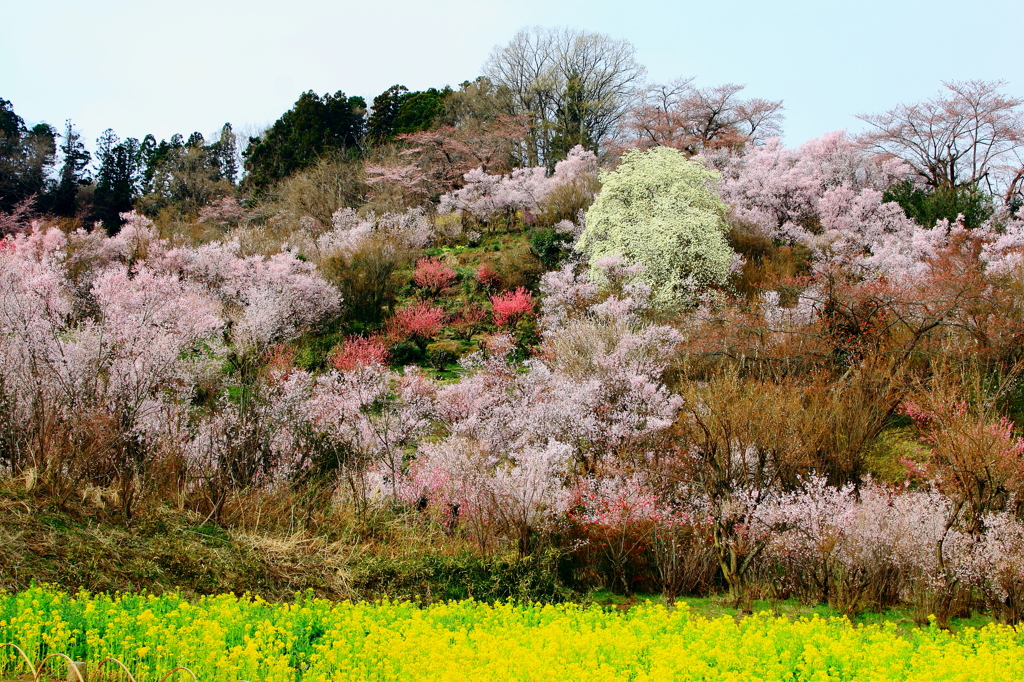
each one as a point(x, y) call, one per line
point(433, 275)
point(359, 351)
point(511, 306)
point(487, 276)
point(420, 321)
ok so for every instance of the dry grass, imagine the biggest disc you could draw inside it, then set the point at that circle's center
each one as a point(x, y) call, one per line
point(271, 546)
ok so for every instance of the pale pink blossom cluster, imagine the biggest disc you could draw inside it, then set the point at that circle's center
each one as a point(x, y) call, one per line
point(999, 560)
point(872, 545)
point(780, 191)
point(265, 299)
point(350, 233)
point(611, 289)
point(487, 197)
point(828, 195)
point(507, 426)
point(105, 339)
point(19, 219)
point(225, 211)
point(359, 421)
point(618, 502)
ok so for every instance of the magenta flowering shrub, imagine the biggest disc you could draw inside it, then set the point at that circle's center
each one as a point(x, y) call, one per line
point(511, 306)
point(420, 321)
point(359, 351)
point(433, 275)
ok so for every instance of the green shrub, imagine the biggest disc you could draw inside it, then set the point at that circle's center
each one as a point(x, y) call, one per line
point(549, 246)
point(926, 207)
point(440, 354)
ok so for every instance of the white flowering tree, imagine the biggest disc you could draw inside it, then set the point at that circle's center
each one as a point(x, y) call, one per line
point(660, 210)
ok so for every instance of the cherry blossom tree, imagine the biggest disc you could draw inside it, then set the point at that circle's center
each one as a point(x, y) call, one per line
point(80, 388)
point(488, 197)
point(692, 120)
point(826, 194)
point(444, 154)
point(104, 337)
point(962, 137)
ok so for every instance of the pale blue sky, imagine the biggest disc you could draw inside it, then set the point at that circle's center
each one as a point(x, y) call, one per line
point(141, 66)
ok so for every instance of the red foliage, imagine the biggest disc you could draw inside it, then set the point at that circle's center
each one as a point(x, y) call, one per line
point(280, 360)
point(446, 153)
point(433, 275)
point(487, 276)
point(511, 306)
point(974, 457)
point(420, 320)
point(359, 351)
point(470, 320)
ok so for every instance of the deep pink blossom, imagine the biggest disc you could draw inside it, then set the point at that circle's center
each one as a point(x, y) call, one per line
point(510, 307)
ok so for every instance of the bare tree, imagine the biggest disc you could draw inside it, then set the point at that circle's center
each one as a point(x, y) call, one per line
point(965, 137)
point(692, 119)
point(571, 87)
point(1012, 170)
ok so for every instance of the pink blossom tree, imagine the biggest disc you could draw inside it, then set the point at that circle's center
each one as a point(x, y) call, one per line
point(693, 120)
point(512, 306)
point(418, 321)
point(488, 197)
point(110, 335)
point(433, 275)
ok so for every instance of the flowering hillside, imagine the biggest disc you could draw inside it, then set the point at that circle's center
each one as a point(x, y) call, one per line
point(669, 359)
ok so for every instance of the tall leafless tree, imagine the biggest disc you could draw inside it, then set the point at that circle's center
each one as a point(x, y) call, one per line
point(692, 119)
point(969, 136)
point(558, 79)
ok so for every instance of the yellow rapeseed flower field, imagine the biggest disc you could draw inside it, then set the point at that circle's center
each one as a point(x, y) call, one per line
point(228, 638)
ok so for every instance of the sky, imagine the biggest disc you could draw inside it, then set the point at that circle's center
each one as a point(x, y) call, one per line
point(165, 67)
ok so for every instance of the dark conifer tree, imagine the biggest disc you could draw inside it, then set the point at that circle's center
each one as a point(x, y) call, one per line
point(73, 173)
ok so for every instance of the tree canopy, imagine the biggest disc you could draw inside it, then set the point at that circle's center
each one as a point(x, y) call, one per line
point(313, 127)
point(660, 210)
point(397, 111)
point(26, 155)
point(572, 87)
